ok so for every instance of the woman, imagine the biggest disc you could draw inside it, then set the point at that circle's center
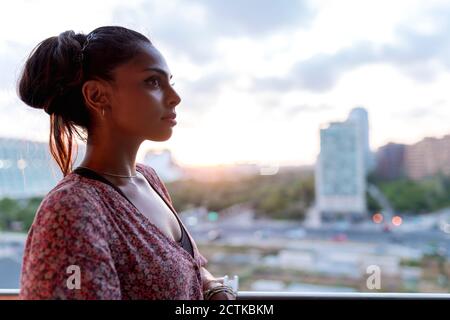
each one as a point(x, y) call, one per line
point(108, 229)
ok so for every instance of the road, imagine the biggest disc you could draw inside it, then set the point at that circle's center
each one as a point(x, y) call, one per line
point(424, 240)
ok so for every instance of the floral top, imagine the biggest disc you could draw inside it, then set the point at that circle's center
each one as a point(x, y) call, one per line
point(88, 242)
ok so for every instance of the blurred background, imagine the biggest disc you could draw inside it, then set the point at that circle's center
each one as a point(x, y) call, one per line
point(313, 138)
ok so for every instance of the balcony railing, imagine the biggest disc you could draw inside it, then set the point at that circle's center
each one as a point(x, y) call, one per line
point(12, 294)
point(281, 295)
point(9, 294)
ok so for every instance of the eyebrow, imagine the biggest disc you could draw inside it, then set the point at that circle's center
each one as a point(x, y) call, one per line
point(161, 71)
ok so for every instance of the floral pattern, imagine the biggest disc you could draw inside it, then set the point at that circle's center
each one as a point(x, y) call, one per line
point(120, 254)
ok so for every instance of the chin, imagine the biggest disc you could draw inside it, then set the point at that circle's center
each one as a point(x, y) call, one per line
point(162, 137)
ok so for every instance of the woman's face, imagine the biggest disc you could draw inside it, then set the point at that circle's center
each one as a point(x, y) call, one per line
point(143, 97)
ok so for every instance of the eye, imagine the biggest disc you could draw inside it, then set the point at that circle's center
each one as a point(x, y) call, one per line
point(154, 82)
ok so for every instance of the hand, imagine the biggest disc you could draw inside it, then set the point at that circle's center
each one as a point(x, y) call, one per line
point(219, 292)
point(209, 281)
point(222, 296)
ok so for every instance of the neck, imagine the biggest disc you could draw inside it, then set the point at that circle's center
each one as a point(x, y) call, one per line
point(112, 155)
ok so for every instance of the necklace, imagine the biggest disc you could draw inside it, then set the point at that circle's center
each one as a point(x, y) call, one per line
point(111, 174)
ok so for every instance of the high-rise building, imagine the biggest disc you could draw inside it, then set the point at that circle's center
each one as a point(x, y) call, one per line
point(390, 161)
point(340, 171)
point(360, 117)
point(428, 157)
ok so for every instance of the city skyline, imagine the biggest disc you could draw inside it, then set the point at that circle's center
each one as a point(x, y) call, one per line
point(146, 148)
point(257, 85)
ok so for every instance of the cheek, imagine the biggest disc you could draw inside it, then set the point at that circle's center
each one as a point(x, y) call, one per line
point(150, 100)
point(139, 111)
point(148, 107)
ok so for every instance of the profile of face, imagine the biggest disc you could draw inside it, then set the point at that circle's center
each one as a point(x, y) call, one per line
point(141, 98)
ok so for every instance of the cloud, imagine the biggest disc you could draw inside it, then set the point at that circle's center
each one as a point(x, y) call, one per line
point(201, 94)
point(256, 17)
point(419, 55)
point(192, 28)
point(179, 28)
point(320, 72)
point(12, 59)
point(438, 108)
point(308, 108)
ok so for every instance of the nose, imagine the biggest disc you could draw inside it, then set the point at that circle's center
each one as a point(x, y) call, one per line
point(173, 98)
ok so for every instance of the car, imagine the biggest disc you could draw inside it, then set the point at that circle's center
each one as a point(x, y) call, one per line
point(340, 237)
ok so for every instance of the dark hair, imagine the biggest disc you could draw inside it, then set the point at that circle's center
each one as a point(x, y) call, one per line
point(54, 74)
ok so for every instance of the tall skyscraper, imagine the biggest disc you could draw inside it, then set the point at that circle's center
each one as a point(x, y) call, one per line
point(360, 117)
point(341, 167)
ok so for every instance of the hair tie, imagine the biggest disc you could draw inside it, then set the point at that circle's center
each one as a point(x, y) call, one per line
point(85, 45)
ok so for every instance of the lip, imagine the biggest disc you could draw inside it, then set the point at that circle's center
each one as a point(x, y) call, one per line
point(170, 116)
point(171, 121)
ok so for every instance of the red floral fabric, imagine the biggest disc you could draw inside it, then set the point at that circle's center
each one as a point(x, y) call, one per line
point(120, 254)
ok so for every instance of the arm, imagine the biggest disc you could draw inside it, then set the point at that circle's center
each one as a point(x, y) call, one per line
point(67, 255)
point(209, 281)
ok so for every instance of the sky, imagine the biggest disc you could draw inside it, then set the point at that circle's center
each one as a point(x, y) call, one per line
point(259, 78)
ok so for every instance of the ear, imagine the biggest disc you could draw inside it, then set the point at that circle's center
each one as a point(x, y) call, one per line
point(96, 95)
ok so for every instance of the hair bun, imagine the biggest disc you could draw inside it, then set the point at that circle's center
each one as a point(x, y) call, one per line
point(53, 68)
